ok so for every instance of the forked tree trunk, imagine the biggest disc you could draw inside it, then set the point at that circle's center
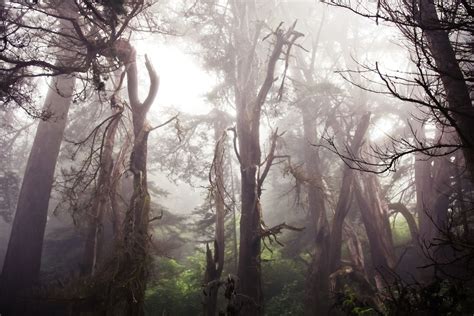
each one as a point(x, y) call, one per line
point(128, 284)
point(249, 103)
point(248, 124)
point(342, 207)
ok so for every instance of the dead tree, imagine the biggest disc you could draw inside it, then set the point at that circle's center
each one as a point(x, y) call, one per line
point(215, 262)
point(105, 190)
point(128, 280)
point(249, 108)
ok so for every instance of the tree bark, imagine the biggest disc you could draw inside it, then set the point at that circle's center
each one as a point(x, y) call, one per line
point(102, 198)
point(23, 258)
point(342, 207)
point(377, 226)
point(318, 280)
point(454, 83)
point(215, 264)
point(128, 284)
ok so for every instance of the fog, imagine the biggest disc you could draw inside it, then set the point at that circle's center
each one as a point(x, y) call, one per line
point(214, 157)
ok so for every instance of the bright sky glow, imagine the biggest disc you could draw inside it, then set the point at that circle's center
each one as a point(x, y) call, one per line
point(381, 128)
point(183, 82)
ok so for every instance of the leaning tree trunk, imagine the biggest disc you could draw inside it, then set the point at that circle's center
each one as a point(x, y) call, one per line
point(377, 226)
point(23, 258)
point(455, 85)
point(215, 263)
point(342, 207)
point(102, 199)
point(128, 283)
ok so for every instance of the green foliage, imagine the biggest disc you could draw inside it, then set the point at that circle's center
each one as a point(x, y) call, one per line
point(351, 304)
point(441, 297)
point(283, 285)
point(400, 230)
point(287, 302)
point(176, 289)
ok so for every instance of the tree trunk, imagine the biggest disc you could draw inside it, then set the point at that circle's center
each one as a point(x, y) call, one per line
point(215, 264)
point(128, 283)
point(248, 124)
point(102, 200)
point(433, 188)
point(454, 83)
point(318, 281)
point(23, 258)
point(377, 226)
point(249, 270)
point(342, 207)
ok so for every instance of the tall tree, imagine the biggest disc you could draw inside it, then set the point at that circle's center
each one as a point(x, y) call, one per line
point(249, 105)
point(128, 280)
point(439, 34)
point(23, 258)
point(104, 195)
point(215, 262)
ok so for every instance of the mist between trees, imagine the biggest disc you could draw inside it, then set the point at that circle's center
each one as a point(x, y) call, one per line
point(213, 157)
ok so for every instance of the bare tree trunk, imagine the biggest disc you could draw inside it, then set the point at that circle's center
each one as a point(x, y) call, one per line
point(215, 264)
point(116, 187)
point(23, 257)
point(249, 103)
point(433, 187)
point(343, 206)
point(234, 218)
point(102, 200)
point(455, 86)
point(248, 124)
point(128, 284)
point(318, 281)
point(377, 226)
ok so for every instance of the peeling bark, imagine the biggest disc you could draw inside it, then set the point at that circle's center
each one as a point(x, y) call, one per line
point(102, 201)
point(128, 283)
point(215, 263)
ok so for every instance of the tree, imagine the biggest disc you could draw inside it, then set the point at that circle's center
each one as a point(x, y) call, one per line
point(23, 258)
point(439, 34)
point(78, 48)
point(105, 193)
point(128, 279)
point(215, 263)
point(249, 109)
